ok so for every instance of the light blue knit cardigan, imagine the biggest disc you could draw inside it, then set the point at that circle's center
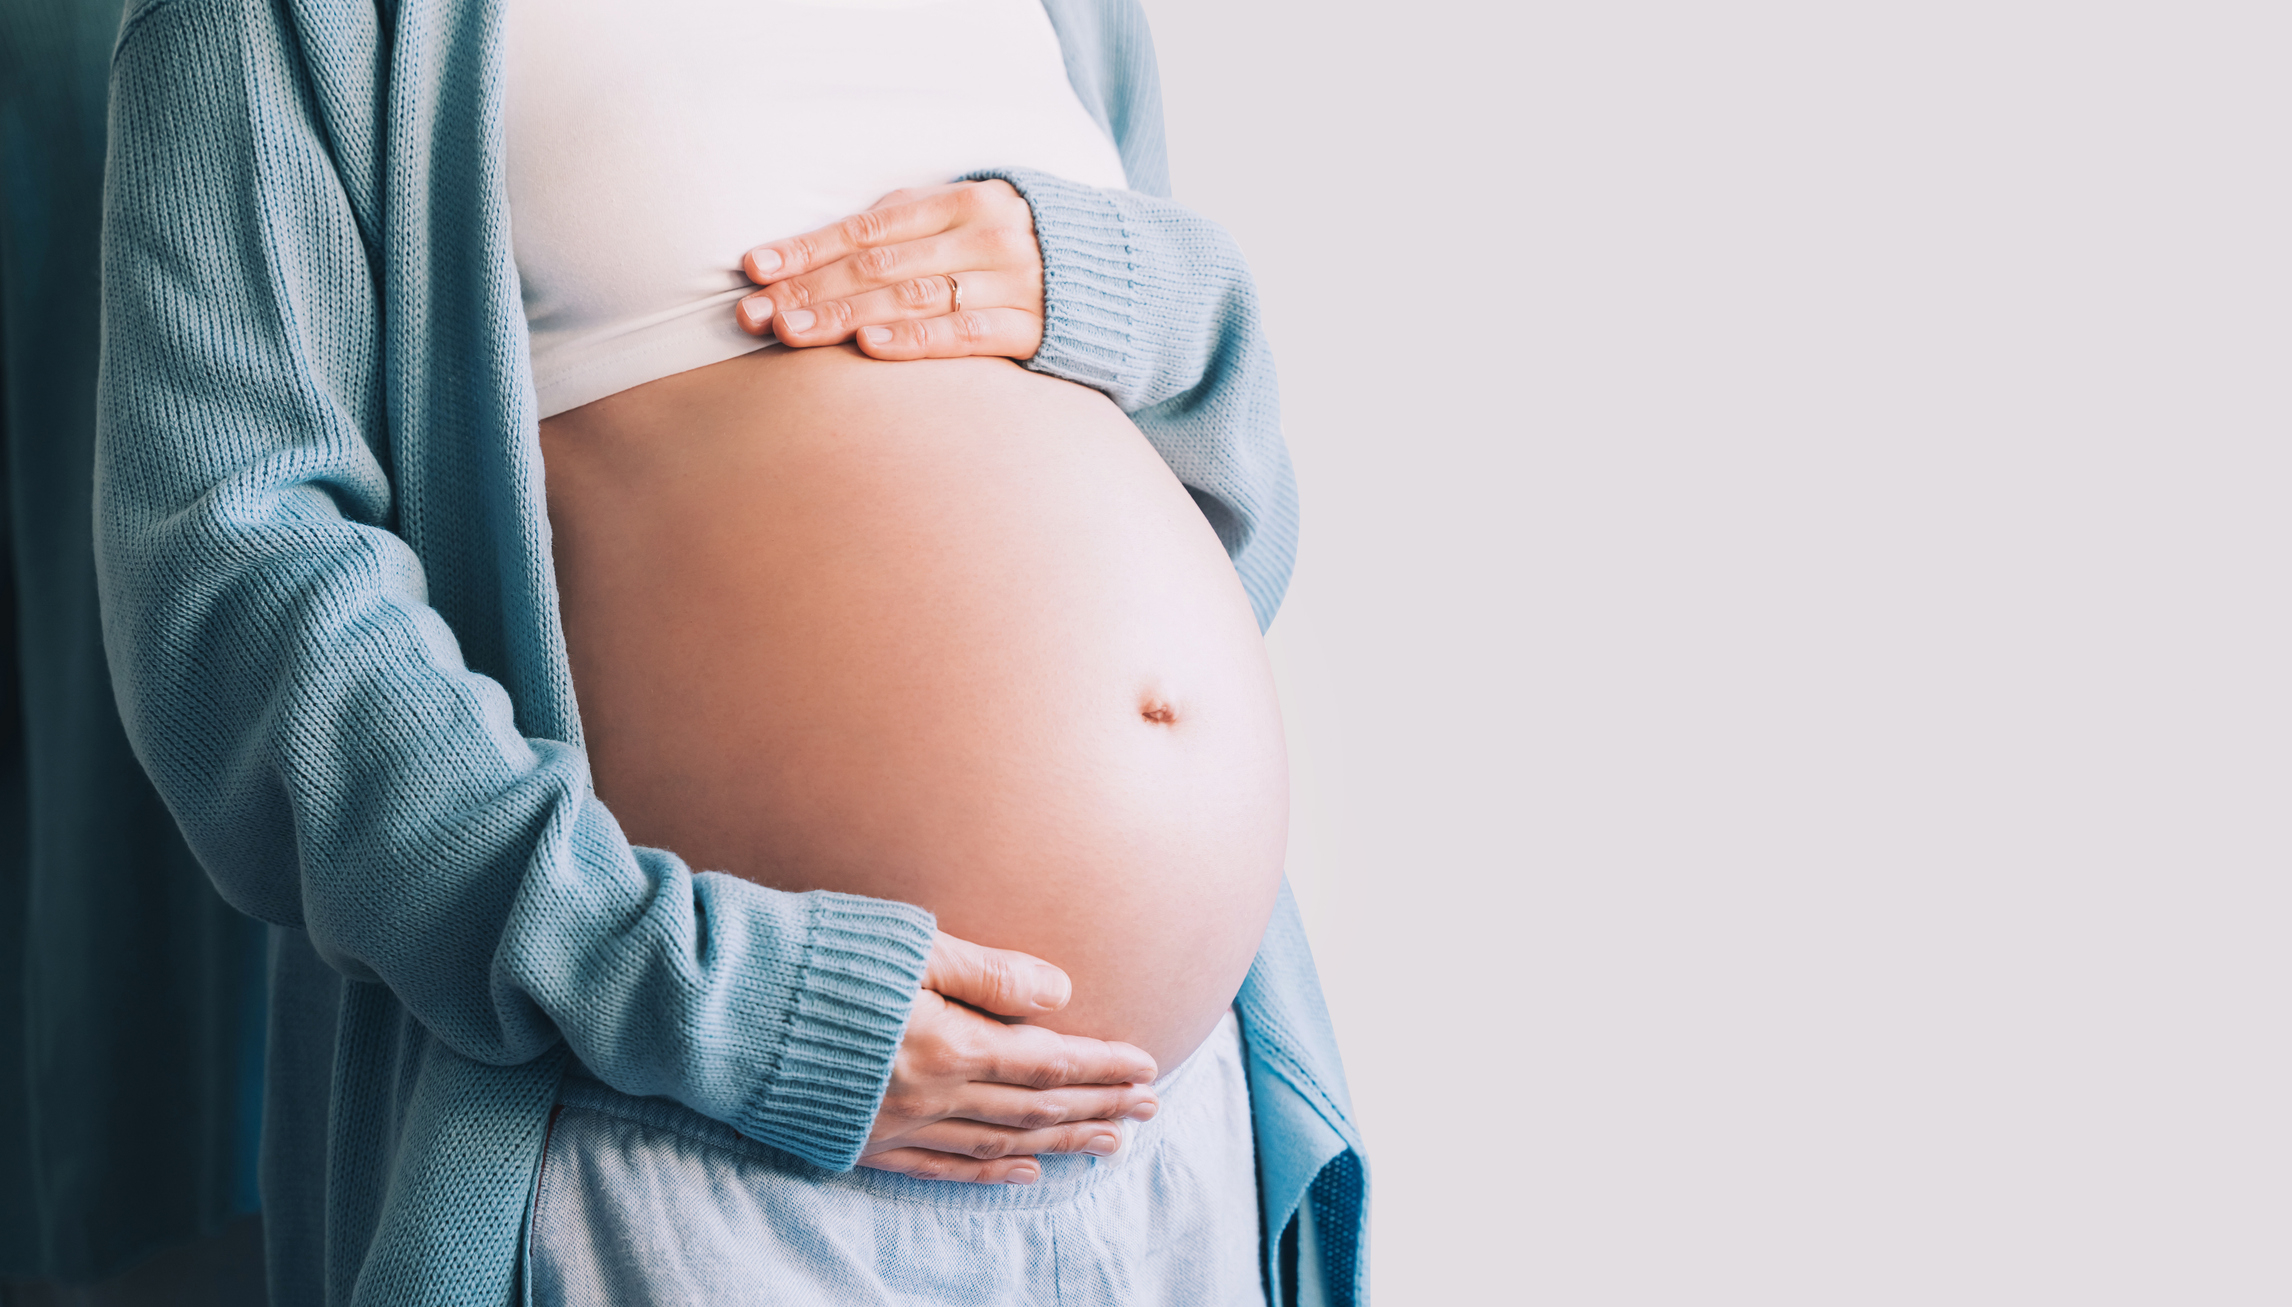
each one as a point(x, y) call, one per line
point(333, 630)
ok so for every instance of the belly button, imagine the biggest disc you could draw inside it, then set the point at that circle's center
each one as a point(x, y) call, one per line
point(1158, 712)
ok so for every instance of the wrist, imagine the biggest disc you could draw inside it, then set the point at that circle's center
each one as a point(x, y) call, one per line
point(846, 1009)
point(1090, 281)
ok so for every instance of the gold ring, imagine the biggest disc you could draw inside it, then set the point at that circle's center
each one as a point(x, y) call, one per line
point(956, 287)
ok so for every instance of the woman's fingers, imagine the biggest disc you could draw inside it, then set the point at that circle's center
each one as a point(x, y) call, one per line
point(1035, 1058)
point(1006, 249)
point(994, 979)
point(832, 322)
point(981, 1153)
point(902, 261)
point(1013, 1107)
point(881, 266)
point(1043, 1109)
point(948, 1048)
point(998, 266)
point(888, 224)
point(895, 331)
point(908, 194)
point(924, 1164)
point(983, 1142)
point(1008, 333)
point(1001, 1086)
point(891, 222)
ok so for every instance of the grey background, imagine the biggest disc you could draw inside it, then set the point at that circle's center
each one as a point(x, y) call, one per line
point(1787, 671)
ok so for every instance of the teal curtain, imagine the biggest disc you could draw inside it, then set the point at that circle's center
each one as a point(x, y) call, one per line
point(130, 995)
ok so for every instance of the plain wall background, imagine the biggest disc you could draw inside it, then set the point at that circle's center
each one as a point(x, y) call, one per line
point(1787, 673)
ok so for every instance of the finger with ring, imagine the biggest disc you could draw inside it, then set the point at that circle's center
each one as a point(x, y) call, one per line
point(933, 296)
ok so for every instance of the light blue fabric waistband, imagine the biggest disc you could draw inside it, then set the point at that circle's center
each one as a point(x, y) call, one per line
point(642, 1200)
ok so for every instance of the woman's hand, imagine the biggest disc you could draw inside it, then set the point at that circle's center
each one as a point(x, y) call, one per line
point(974, 1099)
point(889, 277)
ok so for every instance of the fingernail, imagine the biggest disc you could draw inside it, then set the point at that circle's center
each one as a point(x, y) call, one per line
point(1021, 1175)
point(1102, 1145)
point(756, 310)
point(797, 319)
point(1143, 1112)
point(876, 335)
point(765, 260)
point(1052, 988)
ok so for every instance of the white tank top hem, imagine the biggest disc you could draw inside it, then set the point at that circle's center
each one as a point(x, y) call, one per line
point(632, 353)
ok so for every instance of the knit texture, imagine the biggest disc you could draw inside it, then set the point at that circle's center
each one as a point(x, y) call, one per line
point(1305, 1132)
point(1129, 280)
point(333, 631)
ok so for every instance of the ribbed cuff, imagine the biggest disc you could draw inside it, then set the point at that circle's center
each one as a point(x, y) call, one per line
point(1091, 291)
point(864, 961)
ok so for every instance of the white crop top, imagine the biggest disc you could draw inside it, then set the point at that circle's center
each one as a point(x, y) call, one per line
point(651, 145)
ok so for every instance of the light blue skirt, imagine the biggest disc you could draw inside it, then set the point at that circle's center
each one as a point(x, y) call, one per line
point(642, 1201)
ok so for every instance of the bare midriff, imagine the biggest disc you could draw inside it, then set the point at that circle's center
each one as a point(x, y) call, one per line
point(948, 632)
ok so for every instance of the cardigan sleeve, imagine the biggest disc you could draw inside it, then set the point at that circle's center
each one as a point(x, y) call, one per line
point(309, 717)
point(1153, 304)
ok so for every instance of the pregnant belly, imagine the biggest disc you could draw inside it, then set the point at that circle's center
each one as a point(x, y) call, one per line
point(947, 632)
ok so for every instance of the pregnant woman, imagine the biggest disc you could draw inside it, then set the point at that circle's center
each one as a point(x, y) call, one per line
point(883, 643)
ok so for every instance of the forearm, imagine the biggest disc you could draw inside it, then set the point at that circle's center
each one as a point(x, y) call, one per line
point(337, 769)
point(308, 715)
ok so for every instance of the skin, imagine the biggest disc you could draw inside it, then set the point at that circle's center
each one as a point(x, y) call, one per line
point(946, 632)
point(881, 279)
point(975, 1100)
point(820, 693)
